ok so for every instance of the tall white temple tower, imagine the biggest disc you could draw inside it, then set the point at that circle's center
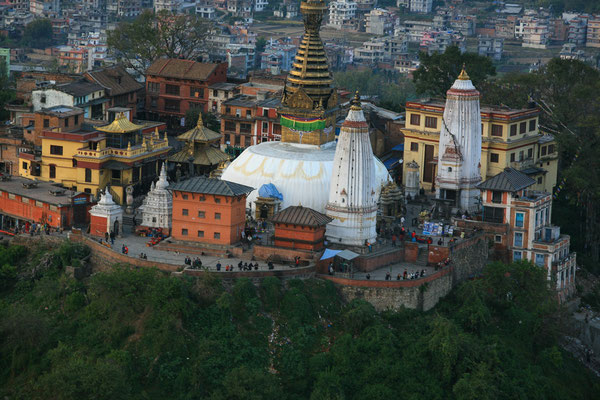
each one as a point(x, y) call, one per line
point(459, 160)
point(158, 204)
point(353, 192)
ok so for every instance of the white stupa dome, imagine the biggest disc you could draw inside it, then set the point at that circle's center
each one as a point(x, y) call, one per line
point(301, 173)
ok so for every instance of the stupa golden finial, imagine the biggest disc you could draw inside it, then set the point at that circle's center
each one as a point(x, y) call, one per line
point(156, 133)
point(128, 146)
point(355, 102)
point(200, 123)
point(463, 74)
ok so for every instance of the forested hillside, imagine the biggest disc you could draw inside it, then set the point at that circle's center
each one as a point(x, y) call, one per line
point(141, 334)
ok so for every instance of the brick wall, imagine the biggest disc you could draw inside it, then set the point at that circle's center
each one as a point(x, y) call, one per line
point(263, 252)
point(368, 263)
point(411, 251)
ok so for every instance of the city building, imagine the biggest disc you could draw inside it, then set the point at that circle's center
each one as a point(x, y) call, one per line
point(529, 235)
point(459, 160)
point(44, 8)
point(593, 32)
point(300, 228)
point(301, 164)
point(157, 207)
point(421, 6)
point(353, 197)
point(535, 33)
point(381, 49)
point(220, 92)
point(24, 201)
point(342, 14)
point(491, 47)
point(124, 8)
point(106, 217)
point(510, 138)
point(171, 6)
point(206, 9)
point(174, 86)
point(10, 148)
point(118, 155)
point(577, 31)
point(379, 22)
point(120, 88)
point(505, 27)
point(75, 59)
point(209, 210)
point(81, 94)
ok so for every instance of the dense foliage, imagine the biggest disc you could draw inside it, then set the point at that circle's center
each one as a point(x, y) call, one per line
point(141, 334)
point(38, 34)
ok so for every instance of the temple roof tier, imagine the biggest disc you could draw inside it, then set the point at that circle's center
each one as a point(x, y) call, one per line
point(121, 124)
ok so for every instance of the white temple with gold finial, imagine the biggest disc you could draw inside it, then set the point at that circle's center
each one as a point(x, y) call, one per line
point(353, 192)
point(460, 146)
point(158, 204)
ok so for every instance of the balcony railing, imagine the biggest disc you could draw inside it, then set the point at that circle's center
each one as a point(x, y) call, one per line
point(125, 153)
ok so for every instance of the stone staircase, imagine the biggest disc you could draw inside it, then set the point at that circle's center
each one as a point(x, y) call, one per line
point(422, 257)
point(128, 223)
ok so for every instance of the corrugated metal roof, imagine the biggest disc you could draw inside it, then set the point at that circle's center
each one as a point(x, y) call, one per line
point(303, 216)
point(509, 180)
point(116, 80)
point(200, 184)
point(181, 69)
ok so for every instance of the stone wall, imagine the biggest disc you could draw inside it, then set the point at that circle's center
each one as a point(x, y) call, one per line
point(420, 294)
point(469, 257)
point(372, 261)
point(263, 253)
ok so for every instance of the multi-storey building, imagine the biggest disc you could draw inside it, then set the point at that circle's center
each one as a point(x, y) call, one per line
point(379, 22)
point(577, 31)
point(81, 94)
point(206, 9)
point(171, 6)
point(510, 138)
point(558, 29)
point(491, 47)
point(44, 7)
point(124, 8)
point(505, 27)
point(118, 155)
point(342, 14)
point(421, 6)
point(175, 86)
point(74, 58)
point(19, 5)
point(120, 88)
point(260, 5)
point(220, 92)
point(535, 33)
point(525, 214)
point(593, 32)
point(438, 42)
point(381, 49)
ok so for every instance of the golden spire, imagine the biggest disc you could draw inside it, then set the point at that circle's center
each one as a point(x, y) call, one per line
point(310, 71)
point(156, 135)
point(463, 74)
point(355, 102)
point(200, 123)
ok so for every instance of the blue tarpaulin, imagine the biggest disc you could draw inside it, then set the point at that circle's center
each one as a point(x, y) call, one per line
point(269, 190)
point(398, 147)
point(391, 162)
point(329, 254)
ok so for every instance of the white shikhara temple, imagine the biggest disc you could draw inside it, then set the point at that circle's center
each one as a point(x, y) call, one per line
point(353, 192)
point(460, 146)
point(158, 204)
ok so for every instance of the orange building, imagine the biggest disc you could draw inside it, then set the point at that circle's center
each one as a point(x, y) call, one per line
point(24, 201)
point(300, 227)
point(209, 210)
point(63, 118)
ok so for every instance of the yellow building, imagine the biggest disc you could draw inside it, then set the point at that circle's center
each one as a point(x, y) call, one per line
point(510, 138)
point(118, 155)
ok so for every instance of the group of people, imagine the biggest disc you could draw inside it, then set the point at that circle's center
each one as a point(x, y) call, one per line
point(37, 229)
point(196, 263)
point(143, 256)
point(442, 264)
point(244, 266)
point(110, 236)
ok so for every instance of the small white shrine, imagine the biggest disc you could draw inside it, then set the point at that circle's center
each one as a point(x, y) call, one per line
point(158, 205)
point(106, 216)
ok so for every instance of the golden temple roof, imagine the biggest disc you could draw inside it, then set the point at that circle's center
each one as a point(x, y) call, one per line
point(199, 133)
point(121, 124)
point(205, 155)
point(463, 74)
point(310, 72)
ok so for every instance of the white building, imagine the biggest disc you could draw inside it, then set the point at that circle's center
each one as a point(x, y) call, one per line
point(341, 13)
point(421, 6)
point(171, 6)
point(109, 210)
point(206, 9)
point(460, 146)
point(158, 204)
point(260, 5)
point(44, 7)
point(379, 22)
point(536, 33)
point(491, 47)
point(353, 192)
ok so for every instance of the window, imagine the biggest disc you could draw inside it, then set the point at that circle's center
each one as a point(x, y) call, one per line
point(56, 150)
point(217, 215)
point(230, 126)
point(74, 163)
point(512, 157)
point(530, 153)
point(25, 165)
point(184, 232)
point(550, 149)
point(245, 128)
point(76, 119)
point(431, 122)
point(518, 239)
point(39, 204)
point(265, 127)
point(217, 235)
point(154, 87)
point(498, 239)
point(248, 113)
point(11, 196)
point(52, 171)
point(496, 196)
point(496, 130)
point(539, 181)
point(217, 200)
point(513, 130)
point(523, 127)
point(415, 119)
point(494, 157)
point(519, 218)
point(184, 212)
point(154, 102)
point(265, 113)
point(172, 90)
point(521, 155)
point(88, 175)
point(200, 234)
point(540, 260)
point(184, 196)
point(197, 92)
point(532, 125)
point(53, 208)
point(25, 200)
point(172, 105)
point(227, 110)
point(46, 123)
point(43, 99)
point(517, 256)
point(201, 214)
point(414, 146)
point(66, 122)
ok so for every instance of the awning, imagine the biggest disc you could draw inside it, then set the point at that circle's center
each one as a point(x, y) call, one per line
point(116, 165)
point(347, 255)
point(534, 171)
point(391, 162)
point(398, 147)
point(329, 254)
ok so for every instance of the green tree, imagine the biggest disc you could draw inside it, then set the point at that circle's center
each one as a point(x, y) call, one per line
point(437, 72)
point(38, 34)
point(151, 36)
point(209, 119)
